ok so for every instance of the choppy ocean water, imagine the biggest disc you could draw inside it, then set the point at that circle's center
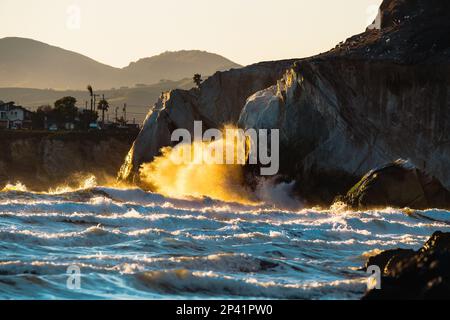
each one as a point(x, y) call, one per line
point(130, 244)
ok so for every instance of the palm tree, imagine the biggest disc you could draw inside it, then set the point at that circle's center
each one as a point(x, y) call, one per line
point(91, 92)
point(197, 79)
point(104, 106)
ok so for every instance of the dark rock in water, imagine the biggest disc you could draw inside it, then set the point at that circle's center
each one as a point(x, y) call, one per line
point(398, 185)
point(438, 242)
point(384, 259)
point(424, 274)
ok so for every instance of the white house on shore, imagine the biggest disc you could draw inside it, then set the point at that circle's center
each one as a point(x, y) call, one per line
point(14, 117)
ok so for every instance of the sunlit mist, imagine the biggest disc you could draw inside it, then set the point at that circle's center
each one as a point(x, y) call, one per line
point(196, 177)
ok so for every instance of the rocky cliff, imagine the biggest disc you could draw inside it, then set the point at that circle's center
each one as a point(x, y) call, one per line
point(379, 96)
point(219, 101)
point(43, 160)
point(339, 118)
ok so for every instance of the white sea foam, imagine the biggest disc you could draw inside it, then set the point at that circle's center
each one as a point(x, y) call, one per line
point(131, 243)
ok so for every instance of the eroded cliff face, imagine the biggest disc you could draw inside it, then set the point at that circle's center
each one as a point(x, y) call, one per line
point(45, 160)
point(340, 118)
point(219, 101)
point(382, 95)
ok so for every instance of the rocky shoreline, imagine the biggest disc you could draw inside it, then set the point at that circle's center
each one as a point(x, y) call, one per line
point(408, 274)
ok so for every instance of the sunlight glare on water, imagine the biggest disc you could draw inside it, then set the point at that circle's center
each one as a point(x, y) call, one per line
point(133, 244)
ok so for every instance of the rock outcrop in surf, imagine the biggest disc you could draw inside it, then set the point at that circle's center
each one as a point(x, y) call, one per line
point(379, 96)
point(397, 185)
point(424, 274)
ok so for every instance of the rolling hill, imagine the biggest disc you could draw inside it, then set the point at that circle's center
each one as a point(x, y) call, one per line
point(27, 63)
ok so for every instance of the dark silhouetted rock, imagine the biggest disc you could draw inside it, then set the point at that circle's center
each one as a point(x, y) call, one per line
point(383, 259)
point(398, 185)
point(422, 275)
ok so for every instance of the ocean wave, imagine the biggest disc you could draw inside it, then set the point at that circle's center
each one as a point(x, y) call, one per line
point(207, 284)
point(132, 243)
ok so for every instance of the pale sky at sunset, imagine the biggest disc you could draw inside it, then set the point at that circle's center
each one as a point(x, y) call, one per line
point(117, 32)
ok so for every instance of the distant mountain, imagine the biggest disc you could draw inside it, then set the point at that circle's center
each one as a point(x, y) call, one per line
point(177, 65)
point(27, 63)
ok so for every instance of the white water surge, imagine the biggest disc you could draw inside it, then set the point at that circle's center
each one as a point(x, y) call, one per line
point(133, 244)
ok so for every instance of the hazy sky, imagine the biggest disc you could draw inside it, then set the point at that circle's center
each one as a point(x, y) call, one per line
point(116, 32)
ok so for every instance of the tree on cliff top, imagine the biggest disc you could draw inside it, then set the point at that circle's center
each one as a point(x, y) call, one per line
point(197, 79)
point(65, 110)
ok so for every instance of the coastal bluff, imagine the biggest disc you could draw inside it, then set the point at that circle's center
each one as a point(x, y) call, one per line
point(43, 160)
point(379, 96)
